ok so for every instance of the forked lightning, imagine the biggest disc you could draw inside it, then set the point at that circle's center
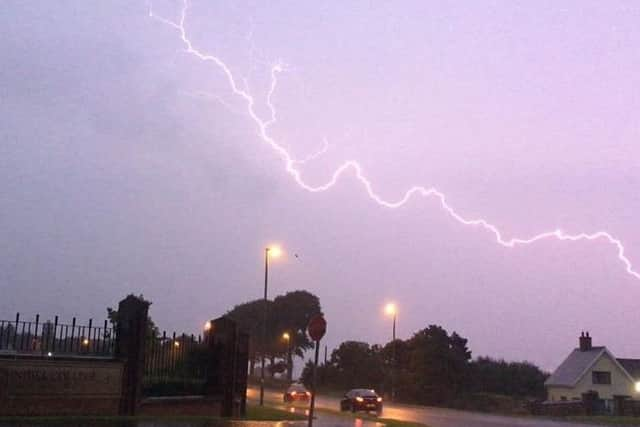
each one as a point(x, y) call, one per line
point(291, 164)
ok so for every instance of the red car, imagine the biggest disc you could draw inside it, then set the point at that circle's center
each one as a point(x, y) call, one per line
point(361, 399)
point(296, 392)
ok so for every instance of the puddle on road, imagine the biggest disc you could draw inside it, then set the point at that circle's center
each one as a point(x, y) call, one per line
point(327, 419)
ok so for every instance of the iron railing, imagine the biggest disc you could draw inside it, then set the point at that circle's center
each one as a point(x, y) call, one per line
point(176, 364)
point(52, 338)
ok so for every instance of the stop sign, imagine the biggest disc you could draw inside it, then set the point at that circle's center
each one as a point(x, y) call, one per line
point(317, 327)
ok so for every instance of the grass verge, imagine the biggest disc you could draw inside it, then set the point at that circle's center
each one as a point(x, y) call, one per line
point(268, 413)
point(606, 420)
point(390, 422)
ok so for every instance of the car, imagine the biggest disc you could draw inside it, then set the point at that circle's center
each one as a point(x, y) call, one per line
point(361, 399)
point(295, 392)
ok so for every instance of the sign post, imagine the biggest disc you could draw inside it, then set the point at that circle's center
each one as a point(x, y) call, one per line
point(317, 328)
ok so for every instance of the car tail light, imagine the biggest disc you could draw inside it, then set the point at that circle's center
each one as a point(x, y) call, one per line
point(359, 399)
point(379, 399)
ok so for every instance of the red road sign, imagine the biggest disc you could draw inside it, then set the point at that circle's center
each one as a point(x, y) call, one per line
point(317, 327)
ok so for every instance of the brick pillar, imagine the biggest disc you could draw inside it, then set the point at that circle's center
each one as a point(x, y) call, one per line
point(221, 376)
point(242, 364)
point(131, 332)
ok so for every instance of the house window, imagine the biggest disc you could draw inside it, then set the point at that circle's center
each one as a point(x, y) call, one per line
point(601, 377)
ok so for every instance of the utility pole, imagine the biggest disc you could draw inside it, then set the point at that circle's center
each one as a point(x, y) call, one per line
point(264, 323)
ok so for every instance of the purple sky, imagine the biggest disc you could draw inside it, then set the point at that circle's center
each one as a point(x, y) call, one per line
point(127, 165)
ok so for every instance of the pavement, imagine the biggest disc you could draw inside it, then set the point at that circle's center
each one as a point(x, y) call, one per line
point(433, 417)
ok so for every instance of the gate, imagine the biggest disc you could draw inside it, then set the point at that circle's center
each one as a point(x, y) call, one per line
point(176, 365)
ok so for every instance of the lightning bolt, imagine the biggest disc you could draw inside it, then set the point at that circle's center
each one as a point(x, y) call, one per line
point(355, 168)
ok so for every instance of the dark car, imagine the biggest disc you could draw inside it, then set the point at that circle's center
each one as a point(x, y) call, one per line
point(361, 399)
point(296, 392)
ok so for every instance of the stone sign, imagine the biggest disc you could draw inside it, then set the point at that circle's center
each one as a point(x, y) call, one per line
point(67, 387)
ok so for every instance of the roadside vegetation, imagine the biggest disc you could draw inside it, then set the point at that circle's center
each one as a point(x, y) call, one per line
point(432, 368)
point(288, 313)
point(267, 413)
point(390, 422)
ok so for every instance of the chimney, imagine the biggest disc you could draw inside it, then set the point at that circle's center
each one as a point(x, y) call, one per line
point(585, 342)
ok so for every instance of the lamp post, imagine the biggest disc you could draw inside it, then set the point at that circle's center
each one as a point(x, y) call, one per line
point(273, 251)
point(390, 310)
point(287, 337)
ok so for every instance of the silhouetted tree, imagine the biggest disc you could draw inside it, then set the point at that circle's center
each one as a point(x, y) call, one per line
point(432, 367)
point(518, 379)
point(152, 329)
point(250, 317)
point(439, 364)
point(353, 364)
point(291, 314)
point(286, 313)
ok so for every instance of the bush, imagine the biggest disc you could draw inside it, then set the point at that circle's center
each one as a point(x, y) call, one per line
point(173, 387)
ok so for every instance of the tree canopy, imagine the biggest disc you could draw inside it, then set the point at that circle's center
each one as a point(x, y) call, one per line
point(288, 313)
point(432, 367)
point(152, 330)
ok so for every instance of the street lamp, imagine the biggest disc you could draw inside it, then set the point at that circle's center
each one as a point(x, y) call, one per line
point(274, 251)
point(269, 252)
point(391, 310)
point(287, 338)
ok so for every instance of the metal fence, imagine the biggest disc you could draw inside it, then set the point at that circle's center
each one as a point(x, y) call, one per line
point(51, 338)
point(175, 365)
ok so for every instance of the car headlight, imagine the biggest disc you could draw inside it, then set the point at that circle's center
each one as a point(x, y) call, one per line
point(379, 399)
point(359, 399)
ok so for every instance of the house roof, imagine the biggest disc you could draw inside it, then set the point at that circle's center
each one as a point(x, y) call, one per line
point(574, 367)
point(632, 366)
point(578, 363)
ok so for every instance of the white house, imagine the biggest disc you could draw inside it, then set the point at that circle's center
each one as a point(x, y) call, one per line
point(589, 368)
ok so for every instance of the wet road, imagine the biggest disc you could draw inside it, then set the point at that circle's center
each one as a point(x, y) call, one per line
point(433, 417)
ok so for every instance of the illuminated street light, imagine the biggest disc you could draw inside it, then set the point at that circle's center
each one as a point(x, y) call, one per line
point(287, 337)
point(391, 310)
point(272, 251)
point(638, 387)
point(85, 342)
point(207, 326)
point(176, 344)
